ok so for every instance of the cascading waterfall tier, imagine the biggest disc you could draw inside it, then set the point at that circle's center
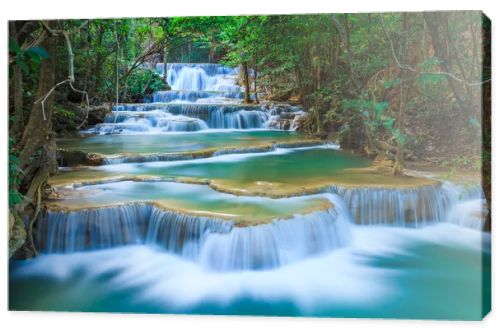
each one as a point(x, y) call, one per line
point(193, 96)
point(90, 229)
point(469, 208)
point(399, 206)
point(201, 77)
point(203, 96)
point(276, 244)
point(182, 117)
point(213, 242)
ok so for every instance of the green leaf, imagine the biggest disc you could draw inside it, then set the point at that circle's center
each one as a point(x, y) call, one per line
point(387, 122)
point(391, 82)
point(429, 64)
point(37, 52)
point(431, 78)
point(14, 197)
point(13, 46)
point(22, 65)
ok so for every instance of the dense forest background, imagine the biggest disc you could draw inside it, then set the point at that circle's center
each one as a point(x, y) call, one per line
point(400, 87)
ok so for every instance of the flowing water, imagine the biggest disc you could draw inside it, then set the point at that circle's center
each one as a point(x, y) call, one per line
point(295, 165)
point(176, 142)
point(202, 206)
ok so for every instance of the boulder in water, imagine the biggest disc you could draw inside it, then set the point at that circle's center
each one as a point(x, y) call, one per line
point(69, 158)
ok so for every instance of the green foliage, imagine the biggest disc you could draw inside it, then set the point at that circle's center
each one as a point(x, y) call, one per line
point(23, 57)
point(64, 119)
point(340, 67)
point(372, 111)
point(375, 117)
point(431, 79)
point(143, 82)
point(429, 64)
point(390, 83)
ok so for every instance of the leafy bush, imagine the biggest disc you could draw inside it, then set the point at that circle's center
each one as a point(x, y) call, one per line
point(64, 119)
point(144, 82)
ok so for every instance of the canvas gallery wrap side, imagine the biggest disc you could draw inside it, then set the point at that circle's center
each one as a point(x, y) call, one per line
point(327, 165)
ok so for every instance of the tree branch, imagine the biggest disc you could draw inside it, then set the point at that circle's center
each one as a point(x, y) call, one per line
point(71, 72)
point(410, 68)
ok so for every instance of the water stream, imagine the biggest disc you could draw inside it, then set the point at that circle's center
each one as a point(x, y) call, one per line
point(263, 224)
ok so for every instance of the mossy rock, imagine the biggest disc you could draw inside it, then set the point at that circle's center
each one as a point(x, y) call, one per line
point(17, 233)
point(67, 158)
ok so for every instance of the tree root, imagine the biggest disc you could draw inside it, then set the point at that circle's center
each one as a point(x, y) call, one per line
point(33, 220)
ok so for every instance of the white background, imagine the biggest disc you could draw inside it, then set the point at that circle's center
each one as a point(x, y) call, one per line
point(50, 322)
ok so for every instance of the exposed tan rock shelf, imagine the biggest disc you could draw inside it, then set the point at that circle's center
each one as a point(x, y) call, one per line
point(236, 220)
point(354, 178)
point(74, 158)
point(369, 203)
point(191, 199)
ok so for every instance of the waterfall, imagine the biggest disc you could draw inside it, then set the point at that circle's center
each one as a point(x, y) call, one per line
point(189, 78)
point(202, 77)
point(182, 117)
point(469, 207)
point(89, 229)
point(223, 245)
point(180, 123)
point(241, 119)
point(414, 206)
point(182, 234)
point(275, 244)
point(192, 96)
point(207, 95)
point(213, 242)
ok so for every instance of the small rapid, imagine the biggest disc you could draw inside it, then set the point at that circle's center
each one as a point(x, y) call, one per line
point(370, 277)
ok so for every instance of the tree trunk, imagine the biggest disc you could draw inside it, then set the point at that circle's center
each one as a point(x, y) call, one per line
point(99, 62)
point(246, 82)
point(17, 128)
point(442, 52)
point(344, 32)
point(24, 29)
point(300, 85)
point(38, 139)
point(165, 74)
point(117, 77)
point(399, 163)
point(18, 124)
point(486, 117)
point(38, 131)
point(255, 87)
